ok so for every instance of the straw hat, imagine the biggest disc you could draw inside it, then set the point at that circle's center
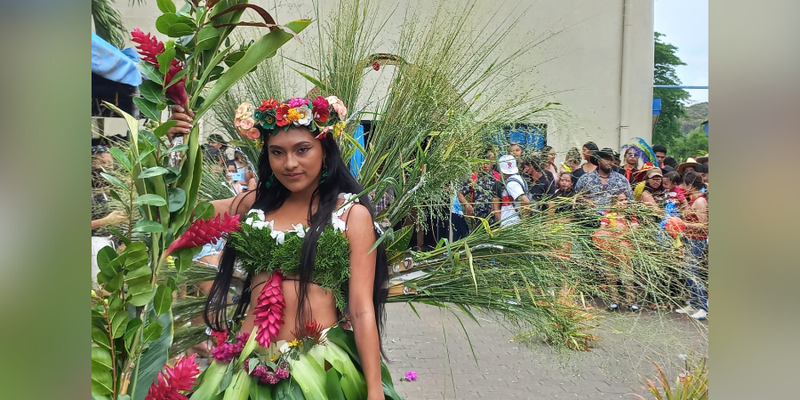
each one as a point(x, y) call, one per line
point(703, 159)
point(690, 162)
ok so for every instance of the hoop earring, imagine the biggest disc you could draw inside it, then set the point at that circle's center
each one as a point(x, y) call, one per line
point(270, 181)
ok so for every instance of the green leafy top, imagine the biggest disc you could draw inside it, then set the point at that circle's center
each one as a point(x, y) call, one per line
point(261, 248)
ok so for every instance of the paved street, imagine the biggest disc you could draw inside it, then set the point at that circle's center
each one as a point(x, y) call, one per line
point(518, 371)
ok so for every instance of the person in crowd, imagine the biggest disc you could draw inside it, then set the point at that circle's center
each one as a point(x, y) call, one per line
point(215, 149)
point(516, 150)
point(602, 184)
point(661, 154)
point(103, 216)
point(477, 193)
point(696, 243)
point(703, 159)
point(611, 239)
point(589, 149)
point(248, 178)
point(511, 198)
point(233, 177)
point(669, 164)
point(686, 167)
point(614, 158)
point(673, 190)
point(631, 166)
point(702, 170)
point(549, 154)
point(617, 161)
point(654, 194)
point(572, 161)
point(563, 194)
point(541, 187)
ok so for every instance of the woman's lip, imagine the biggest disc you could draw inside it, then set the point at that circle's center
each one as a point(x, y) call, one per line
point(293, 175)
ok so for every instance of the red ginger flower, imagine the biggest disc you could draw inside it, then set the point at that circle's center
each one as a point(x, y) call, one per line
point(149, 47)
point(269, 310)
point(203, 231)
point(320, 109)
point(219, 337)
point(180, 377)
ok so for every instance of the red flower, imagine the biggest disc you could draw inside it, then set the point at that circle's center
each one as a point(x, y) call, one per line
point(219, 337)
point(267, 105)
point(376, 66)
point(149, 47)
point(205, 231)
point(269, 310)
point(173, 380)
point(177, 92)
point(280, 114)
point(320, 109)
point(311, 330)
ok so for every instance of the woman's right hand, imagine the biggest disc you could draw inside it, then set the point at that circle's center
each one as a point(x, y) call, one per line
point(184, 118)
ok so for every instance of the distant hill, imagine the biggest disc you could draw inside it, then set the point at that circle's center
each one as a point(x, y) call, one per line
point(696, 114)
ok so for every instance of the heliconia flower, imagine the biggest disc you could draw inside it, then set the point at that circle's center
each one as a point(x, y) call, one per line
point(376, 66)
point(267, 105)
point(297, 102)
point(149, 47)
point(174, 380)
point(219, 337)
point(269, 310)
point(321, 109)
point(280, 115)
point(203, 231)
point(304, 116)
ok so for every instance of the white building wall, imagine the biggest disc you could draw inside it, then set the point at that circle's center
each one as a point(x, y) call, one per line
point(579, 60)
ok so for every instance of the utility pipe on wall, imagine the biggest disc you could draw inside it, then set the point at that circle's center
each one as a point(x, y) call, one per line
point(625, 73)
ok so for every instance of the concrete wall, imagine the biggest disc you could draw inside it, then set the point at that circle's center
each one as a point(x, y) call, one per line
point(579, 59)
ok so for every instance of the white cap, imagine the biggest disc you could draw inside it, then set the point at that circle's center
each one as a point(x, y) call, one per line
point(508, 164)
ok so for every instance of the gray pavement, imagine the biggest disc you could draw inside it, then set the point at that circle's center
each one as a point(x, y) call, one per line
point(531, 370)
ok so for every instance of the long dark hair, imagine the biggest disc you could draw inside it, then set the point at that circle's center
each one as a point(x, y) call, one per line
point(339, 180)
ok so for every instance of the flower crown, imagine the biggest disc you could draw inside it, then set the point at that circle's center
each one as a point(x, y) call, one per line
point(321, 115)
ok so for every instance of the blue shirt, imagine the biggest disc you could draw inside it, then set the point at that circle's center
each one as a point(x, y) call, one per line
point(590, 186)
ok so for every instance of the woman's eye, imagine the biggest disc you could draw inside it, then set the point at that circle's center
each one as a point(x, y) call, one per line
point(276, 152)
point(303, 149)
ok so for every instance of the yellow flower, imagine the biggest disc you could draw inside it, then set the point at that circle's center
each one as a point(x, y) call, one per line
point(338, 128)
point(274, 358)
point(292, 115)
point(294, 343)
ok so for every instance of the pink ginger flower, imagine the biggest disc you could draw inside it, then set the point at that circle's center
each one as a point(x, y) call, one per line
point(174, 380)
point(204, 231)
point(269, 310)
point(149, 48)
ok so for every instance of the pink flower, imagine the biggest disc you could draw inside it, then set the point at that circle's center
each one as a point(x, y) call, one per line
point(251, 133)
point(204, 231)
point(219, 337)
point(247, 123)
point(280, 114)
point(338, 106)
point(269, 310)
point(321, 109)
point(411, 376)
point(149, 47)
point(174, 380)
point(297, 102)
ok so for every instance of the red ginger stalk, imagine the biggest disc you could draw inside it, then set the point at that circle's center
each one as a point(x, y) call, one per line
point(149, 48)
point(174, 380)
point(269, 310)
point(204, 231)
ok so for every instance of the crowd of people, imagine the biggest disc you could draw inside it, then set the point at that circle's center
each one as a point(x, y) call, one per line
point(522, 183)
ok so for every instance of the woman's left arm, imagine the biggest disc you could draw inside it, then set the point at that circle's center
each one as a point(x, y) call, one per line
point(361, 235)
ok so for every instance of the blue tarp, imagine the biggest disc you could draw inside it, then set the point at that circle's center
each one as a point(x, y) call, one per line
point(358, 159)
point(115, 64)
point(656, 106)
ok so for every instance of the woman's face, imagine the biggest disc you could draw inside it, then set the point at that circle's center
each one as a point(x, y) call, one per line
point(654, 182)
point(487, 167)
point(515, 150)
point(587, 154)
point(103, 161)
point(551, 156)
point(630, 157)
point(295, 157)
point(232, 169)
point(565, 182)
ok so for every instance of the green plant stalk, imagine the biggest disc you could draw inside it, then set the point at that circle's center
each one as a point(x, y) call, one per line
point(113, 353)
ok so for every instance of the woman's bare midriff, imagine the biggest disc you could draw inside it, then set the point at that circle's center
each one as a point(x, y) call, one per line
point(321, 304)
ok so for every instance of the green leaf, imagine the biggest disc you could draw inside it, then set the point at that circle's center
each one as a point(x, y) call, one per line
point(258, 52)
point(163, 299)
point(102, 381)
point(140, 294)
point(313, 80)
point(130, 332)
point(204, 210)
point(184, 259)
point(143, 155)
point(150, 71)
point(121, 157)
point(207, 38)
point(166, 6)
point(179, 29)
point(166, 20)
point(100, 337)
point(180, 147)
point(177, 198)
point(234, 57)
point(118, 316)
point(148, 226)
point(138, 276)
point(113, 180)
point(150, 200)
point(154, 357)
point(332, 386)
point(151, 91)
point(147, 108)
point(104, 257)
point(163, 128)
point(165, 60)
point(151, 172)
point(152, 332)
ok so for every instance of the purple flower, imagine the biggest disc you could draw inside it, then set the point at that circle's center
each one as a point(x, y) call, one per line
point(411, 376)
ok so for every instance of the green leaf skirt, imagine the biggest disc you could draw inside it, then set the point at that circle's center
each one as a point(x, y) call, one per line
point(327, 371)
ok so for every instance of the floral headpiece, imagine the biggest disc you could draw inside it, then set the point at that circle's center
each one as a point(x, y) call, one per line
point(321, 115)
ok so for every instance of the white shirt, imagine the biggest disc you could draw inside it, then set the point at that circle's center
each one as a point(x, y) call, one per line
point(509, 210)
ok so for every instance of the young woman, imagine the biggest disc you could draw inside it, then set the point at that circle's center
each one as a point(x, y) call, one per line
point(550, 166)
point(572, 161)
point(317, 264)
point(654, 194)
point(631, 166)
point(242, 168)
point(696, 242)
